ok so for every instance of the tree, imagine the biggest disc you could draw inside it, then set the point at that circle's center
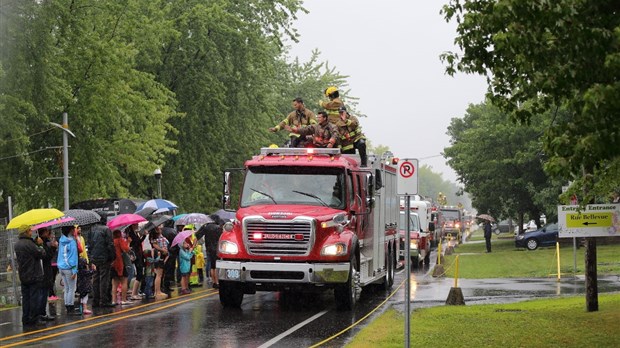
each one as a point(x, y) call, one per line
point(60, 57)
point(541, 56)
point(500, 163)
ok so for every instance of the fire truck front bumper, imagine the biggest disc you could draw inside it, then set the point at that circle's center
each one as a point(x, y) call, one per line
point(302, 273)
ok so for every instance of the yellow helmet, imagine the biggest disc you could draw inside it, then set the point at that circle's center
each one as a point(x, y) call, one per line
point(330, 90)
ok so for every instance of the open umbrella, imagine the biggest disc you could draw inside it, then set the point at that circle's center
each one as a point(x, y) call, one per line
point(193, 218)
point(83, 217)
point(225, 214)
point(34, 216)
point(160, 205)
point(124, 220)
point(155, 222)
point(176, 217)
point(181, 236)
point(486, 217)
point(55, 223)
point(146, 212)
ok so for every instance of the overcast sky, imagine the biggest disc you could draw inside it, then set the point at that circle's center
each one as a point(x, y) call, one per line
point(390, 49)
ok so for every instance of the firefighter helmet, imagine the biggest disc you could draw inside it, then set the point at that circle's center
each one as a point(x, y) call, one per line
point(330, 90)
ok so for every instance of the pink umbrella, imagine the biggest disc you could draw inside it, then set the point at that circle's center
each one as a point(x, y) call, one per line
point(180, 237)
point(124, 220)
point(52, 223)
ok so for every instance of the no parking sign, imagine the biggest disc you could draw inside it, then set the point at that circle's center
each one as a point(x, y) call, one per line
point(407, 182)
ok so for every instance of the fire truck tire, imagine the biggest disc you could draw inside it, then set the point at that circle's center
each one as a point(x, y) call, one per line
point(390, 265)
point(415, 262)
point(231, 294)
point(346, 294)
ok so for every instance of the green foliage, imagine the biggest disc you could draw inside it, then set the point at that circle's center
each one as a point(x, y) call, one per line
point(506, 261)
point(188, 86)
point(501, 163)
point(538, 55)
point(534, 323)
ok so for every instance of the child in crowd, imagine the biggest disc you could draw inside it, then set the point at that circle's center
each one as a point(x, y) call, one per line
point(149, 274)
point(185, 257)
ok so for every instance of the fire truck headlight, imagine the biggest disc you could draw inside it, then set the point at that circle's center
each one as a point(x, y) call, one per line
point(227, 247)
point(413, 244)
point(338, 249)
point(228, 226)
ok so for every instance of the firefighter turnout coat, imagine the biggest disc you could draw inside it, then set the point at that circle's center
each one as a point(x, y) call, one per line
point(331, 107)
point(322, 134)
point(297, 118)
point(349, 131)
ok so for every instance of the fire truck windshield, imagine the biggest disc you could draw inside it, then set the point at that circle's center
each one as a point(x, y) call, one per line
point(294, 185)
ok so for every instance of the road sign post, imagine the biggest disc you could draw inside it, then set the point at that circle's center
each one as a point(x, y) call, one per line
point(407, 185)
point(595, 220)
point(407, 182)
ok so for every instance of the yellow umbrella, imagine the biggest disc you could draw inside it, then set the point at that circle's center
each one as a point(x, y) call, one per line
point(34, 216)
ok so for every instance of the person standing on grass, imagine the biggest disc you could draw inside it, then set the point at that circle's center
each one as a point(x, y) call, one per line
point(487, 234)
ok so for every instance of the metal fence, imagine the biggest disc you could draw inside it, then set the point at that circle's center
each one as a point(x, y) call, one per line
point(9, 280)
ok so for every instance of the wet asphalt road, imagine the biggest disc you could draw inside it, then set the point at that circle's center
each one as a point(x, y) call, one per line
point(272, 319)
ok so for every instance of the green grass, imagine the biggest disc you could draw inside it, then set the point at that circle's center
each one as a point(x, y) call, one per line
point(561, 322)
point(506, 261)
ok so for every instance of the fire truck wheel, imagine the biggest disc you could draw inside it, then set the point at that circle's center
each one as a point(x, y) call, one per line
point(415, 262)
point(231, 294)
point(389, 275)
point(347, 294)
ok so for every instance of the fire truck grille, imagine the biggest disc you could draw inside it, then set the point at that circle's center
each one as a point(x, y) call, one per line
point(278, 238)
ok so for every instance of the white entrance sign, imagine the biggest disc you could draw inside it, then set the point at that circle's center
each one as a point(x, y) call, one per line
point(596, 220)
point(407, 182)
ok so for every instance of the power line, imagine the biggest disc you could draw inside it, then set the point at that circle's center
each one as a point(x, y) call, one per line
point(31, 152)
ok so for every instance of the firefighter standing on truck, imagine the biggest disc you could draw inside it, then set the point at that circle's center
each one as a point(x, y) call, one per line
point(333, 104)
point(298, 118)
point(351, 136)
point(324, 134)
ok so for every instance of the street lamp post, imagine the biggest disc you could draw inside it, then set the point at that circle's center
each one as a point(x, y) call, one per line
point(157, 174)
point(65, 155)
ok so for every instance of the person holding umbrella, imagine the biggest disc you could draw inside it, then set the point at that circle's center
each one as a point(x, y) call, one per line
point(487, 234)
point(29, 255)
point(50, 245)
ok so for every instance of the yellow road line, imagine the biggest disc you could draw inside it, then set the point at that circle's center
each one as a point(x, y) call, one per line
point(55, 327)
point(361, 319)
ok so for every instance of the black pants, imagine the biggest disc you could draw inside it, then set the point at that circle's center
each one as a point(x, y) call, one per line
point(34, 297)
point(488, 243)
point(360, 145)
point(102, 284)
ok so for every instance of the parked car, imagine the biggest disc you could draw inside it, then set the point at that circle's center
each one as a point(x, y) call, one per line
point(504, 226)
point(544, 236)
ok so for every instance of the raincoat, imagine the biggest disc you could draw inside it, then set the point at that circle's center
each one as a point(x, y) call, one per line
point(67, 254)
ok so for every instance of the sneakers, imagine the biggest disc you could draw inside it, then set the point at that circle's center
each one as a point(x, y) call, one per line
point(124, 303)
point(216, 285)
point(87, 311)
point(52, 298)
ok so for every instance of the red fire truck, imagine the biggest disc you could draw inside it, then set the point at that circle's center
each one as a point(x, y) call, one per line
point(309, 219)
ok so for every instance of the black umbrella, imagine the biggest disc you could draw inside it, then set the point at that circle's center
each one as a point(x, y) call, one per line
point(155, 222)
point(82, 217)
point(225, 214)
point(146, 212)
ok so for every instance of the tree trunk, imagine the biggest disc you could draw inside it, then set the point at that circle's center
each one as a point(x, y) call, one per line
point(591, 276)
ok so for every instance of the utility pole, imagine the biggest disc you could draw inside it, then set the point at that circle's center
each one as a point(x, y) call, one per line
point(65, 155)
